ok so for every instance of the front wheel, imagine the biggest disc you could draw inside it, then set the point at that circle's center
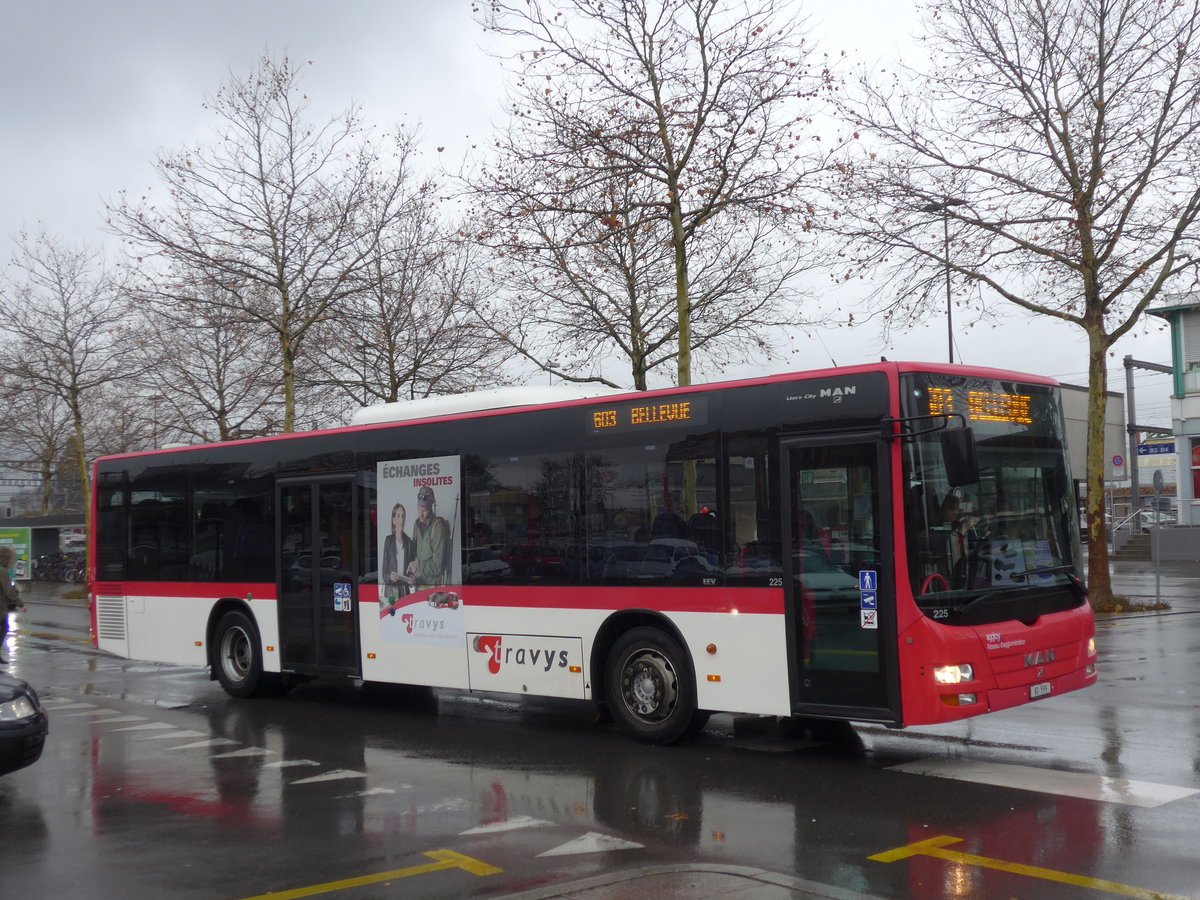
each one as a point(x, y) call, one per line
point(238, 660)
point(650, 689)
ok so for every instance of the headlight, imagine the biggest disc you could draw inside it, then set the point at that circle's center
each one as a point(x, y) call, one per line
point(14, 710)
point(954, 674)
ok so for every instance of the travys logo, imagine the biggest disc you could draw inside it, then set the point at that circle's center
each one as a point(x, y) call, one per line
point(513, 653)
point(425, 625)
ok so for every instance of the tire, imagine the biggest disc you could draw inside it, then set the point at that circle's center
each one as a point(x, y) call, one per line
point(650, 689)
point(237, 658)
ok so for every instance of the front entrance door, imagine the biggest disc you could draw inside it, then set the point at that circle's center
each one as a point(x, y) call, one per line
point(317, 592)
point(839, 578)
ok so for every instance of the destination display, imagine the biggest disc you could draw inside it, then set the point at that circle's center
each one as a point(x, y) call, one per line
point(641, 416)
point(980, 406)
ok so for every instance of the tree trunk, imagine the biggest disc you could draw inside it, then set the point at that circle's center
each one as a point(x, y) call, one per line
point(1099, 580)
point(81, 455)
point(288, 356)
point(683, 308)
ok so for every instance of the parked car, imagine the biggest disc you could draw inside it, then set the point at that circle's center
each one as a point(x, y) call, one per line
point(485, 564)
point(23, 725)
point(638, 562)
point(1149, 520)
point(526, 560)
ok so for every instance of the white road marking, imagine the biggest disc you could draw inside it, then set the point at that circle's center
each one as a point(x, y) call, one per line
point(177, 733)
point(249, 751)
point(335, 775)
point(513, 824)
point(93, 713)
point(592, 842)
point(149, 726)
point(1049, 781)
point(378, 791)
point(211, 742)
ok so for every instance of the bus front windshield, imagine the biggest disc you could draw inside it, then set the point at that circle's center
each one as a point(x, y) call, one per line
point(1005, 546)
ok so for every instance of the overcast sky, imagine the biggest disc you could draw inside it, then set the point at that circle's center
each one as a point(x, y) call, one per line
point(92, 90)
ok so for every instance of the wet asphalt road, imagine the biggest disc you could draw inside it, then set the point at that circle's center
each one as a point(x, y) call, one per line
point(155, 784)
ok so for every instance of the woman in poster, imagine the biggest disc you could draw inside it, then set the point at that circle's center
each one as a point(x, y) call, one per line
point(397, 555)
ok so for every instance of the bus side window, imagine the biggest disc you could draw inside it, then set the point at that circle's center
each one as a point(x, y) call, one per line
point(521, 517)
point(653, 515)
point(113, 513)
point(159, 540)
point(756, 551)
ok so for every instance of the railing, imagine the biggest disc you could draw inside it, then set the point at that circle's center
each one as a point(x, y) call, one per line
point(1121, 523)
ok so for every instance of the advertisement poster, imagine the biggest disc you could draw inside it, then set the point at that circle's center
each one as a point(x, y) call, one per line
point(420, 551)
point(18, 539)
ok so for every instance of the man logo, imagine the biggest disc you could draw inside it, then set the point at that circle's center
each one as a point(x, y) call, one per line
point(1040, 658)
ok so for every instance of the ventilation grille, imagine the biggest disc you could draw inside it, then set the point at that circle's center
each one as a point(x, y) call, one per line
point(110, 618)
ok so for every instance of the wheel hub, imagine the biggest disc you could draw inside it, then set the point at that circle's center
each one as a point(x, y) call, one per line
point(236, 654)
point(650, 686)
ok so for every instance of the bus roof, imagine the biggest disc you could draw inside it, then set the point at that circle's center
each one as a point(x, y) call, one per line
point(516, 398)
point(476, 401)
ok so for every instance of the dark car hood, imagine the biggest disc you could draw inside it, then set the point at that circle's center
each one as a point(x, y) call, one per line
point(11, 687)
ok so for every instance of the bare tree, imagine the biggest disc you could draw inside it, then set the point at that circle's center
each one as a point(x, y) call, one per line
point(1058, 139)
point(408, 333)
point(638, 128)
point(38, 435)
point(212, 374)
point(279, 216)
point(65, 321)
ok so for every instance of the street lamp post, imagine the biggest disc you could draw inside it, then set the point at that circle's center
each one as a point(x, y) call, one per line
point(944, 209)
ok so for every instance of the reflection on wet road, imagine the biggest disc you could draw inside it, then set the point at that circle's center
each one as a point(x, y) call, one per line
point(154, 783)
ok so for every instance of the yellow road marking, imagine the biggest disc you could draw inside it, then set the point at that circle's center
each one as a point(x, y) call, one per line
point(446, 859)
point(935, 847)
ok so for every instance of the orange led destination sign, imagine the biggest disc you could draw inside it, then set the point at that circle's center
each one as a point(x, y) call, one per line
point(981, 406)
point(639, 416)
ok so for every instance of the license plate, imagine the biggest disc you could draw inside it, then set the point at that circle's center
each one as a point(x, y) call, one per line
point(1039, 690)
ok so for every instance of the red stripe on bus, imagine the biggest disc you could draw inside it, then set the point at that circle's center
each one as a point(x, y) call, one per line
point(761, 601)
point(197, 590)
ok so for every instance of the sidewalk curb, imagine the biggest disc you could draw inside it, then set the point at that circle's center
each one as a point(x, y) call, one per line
point(799, 886)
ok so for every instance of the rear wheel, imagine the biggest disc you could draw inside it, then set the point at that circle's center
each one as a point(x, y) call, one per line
point(238, 660)
point(651, 692)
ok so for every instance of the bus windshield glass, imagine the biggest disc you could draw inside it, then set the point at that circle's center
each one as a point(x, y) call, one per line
point(1002, 547)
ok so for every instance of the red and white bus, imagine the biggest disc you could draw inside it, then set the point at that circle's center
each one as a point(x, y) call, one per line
point(891, 543)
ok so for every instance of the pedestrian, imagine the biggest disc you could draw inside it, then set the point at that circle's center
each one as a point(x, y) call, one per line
point(12, 599)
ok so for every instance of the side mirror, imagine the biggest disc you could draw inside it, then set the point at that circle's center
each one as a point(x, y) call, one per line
point(958, 452)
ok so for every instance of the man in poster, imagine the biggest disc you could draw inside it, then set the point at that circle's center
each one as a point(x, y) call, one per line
point(431, 535)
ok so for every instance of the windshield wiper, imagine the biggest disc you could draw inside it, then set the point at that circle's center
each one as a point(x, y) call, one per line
point(1072, 579)
point(1044, 570)
point(1074, 583)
